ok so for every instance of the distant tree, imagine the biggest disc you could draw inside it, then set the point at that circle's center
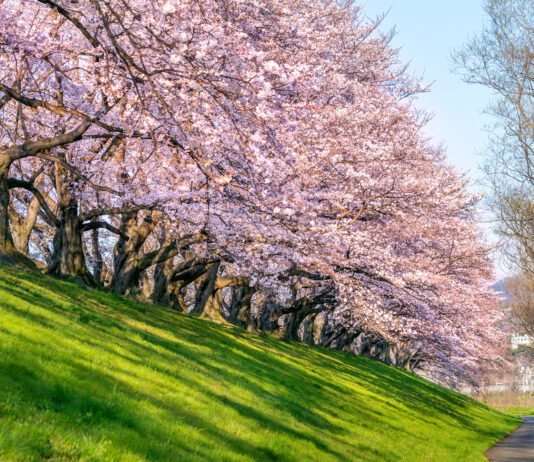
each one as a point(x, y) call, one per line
point(501, 58)
point(520, 302)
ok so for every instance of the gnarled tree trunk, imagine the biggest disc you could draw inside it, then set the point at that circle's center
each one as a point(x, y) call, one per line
point(129, 263)
point(240, 304)
point(6, 241)
point(22, 225)
point(171, 280)
point(68, 258)
point(100, 270)
point(8, 252)
point(126, 260)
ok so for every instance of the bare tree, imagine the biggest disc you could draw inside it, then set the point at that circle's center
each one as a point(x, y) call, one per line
point(502, 59)
point(520, 302)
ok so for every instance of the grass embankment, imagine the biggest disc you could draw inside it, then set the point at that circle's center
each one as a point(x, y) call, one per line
point(85, 375)
point(519, 410)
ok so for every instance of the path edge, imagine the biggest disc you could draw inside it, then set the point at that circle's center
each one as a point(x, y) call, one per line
point(503, 438)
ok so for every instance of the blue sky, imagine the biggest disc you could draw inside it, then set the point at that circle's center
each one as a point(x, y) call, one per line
point(427, 33)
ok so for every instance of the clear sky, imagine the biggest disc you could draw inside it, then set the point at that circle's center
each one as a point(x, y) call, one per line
point(427, 31)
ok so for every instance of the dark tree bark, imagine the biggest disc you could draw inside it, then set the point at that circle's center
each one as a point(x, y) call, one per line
point(100, 270)
point(162, 275)
point(239, 309)
point(68, 258)
point(8, 252)
point(205, 288)
point(129, 262)
point(169, 284)
point(171, 280)
point(296, 312)
point(145, 284)
point(6, 241)
point(126, 260)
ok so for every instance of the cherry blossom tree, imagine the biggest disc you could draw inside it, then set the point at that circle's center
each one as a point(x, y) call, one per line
point(260, 163)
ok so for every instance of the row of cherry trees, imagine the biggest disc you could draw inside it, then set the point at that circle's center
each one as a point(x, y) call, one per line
point(258, 162)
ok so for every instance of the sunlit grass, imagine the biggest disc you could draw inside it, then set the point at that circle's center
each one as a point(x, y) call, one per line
point(519, 410)
point(85, 375)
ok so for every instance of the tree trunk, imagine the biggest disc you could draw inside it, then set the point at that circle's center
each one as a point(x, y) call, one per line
point(205, 289)
point(240, 306)
point(130, 262)
point(68, 258)
point(159, 294)
point(166, 291)
point(170, 280)
point(126, 277)
point(21, 227)
point(8, 253)
point(127, 257)
point(100, 270)
point(146, 286)
point(6, 241)
point(213, 308)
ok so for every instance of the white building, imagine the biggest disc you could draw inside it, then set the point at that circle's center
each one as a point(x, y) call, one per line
point(525, 375)
point(518, 339)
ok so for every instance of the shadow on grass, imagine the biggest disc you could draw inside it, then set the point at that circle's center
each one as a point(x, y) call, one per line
point(308, 385)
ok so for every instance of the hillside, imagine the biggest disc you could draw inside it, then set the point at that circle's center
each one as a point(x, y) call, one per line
point(85, 375)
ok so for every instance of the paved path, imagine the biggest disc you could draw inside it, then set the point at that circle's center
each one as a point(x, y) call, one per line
point(518, 447)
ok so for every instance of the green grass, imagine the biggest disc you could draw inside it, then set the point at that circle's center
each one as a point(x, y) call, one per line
point(519, 410)
point(85, 375)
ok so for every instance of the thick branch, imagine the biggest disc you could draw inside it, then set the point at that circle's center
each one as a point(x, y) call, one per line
point(321, 297)
point(158, 256)
point(15, 183)
point(104, 224)
point(34, 147)
point(294, 271)
point(231, 281)
point(114, 211)
point(73, 20)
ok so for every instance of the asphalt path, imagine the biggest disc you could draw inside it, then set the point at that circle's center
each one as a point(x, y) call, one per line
point(517, 447)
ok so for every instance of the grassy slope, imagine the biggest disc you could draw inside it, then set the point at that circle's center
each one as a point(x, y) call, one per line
point(519, 410)
point(85, 375)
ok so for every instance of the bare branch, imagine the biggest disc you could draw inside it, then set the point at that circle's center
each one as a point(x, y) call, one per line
point(62, 11)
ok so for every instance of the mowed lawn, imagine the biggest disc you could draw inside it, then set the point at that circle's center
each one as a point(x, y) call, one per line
point(85, 375)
